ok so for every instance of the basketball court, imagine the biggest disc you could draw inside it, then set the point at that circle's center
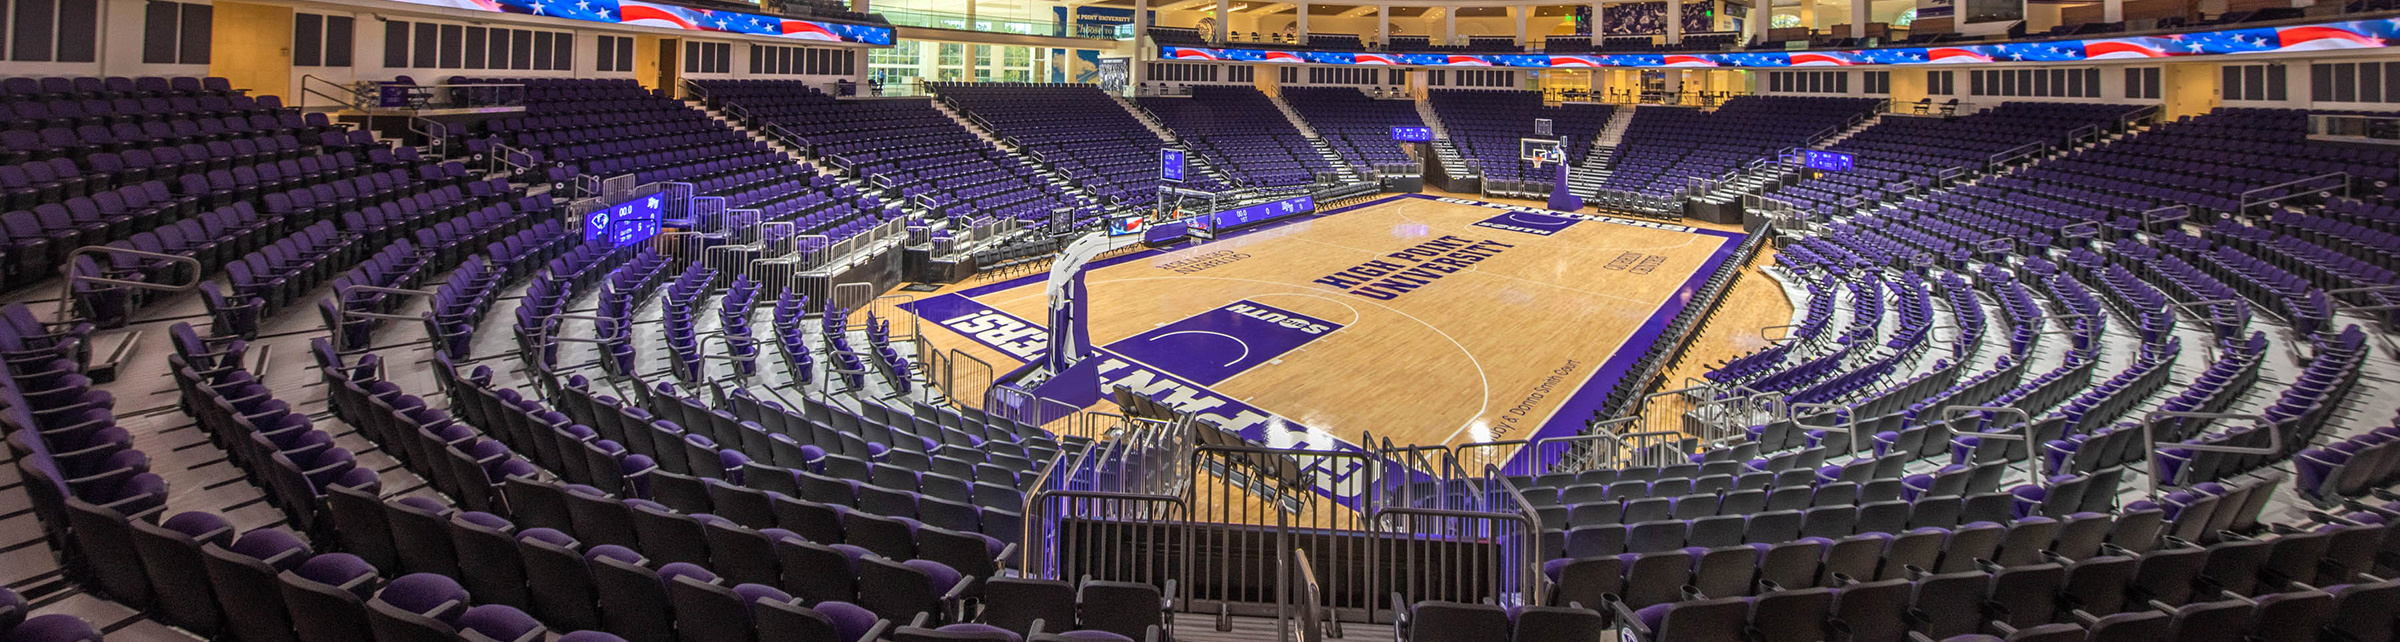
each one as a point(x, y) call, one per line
point(1427, 320)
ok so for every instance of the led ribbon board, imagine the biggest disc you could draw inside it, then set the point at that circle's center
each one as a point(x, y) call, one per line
point(665, 16)
point(1261, 213)
point(2352, 34)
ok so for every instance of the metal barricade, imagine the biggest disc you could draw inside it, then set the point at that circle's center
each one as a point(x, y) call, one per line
point(890, 307)
point(1656, 448)
point(1461, 556)
point(964, 376)
point(1109, 536)
point(1602, 447)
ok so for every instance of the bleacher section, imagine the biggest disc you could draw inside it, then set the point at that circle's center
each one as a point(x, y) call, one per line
point(903, 144)
point(1488, 125)
point(1358, 128)
point(605, 128)
point(1900, 154)
point(1665, 146)
point(1241, 133)
point(1074, 130)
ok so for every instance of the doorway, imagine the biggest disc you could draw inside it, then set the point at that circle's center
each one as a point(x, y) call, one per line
point(670, 64)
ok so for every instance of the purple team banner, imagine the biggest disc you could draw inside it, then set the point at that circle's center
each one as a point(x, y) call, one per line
point(2354, 34)
point(1213, 346)
point(666, 16)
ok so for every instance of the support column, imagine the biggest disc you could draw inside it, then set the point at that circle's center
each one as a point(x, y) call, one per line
point(1762, 14)
point(1858, 18)
point(1523, 11)
point(1223, 7)
point(1300, 29)
point(859, 68)
point(1674, 21)
point(2112, 10)
point(1599, 23)
point(1449, 26)
point(1141, 40)
point(1383, 24)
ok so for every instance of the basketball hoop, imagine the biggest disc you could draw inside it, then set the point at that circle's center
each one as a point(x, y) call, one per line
point(1548, 156)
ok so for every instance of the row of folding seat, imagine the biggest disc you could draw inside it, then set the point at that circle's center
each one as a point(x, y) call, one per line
point(20, 88)
point(17, 625)
point(2113, 578)
point(410, 531)
point(2023, 604)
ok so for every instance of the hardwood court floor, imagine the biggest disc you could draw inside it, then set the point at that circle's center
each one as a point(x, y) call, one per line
point(1491, 351)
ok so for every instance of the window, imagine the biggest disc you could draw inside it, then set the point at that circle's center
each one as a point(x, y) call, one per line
point(426, 45)
point(707, 57)
point(787, 61)
point(2355, 82)
point(1473, 78)
point(614, 53)
point(1816, 82)
point(2254, 82)
point(1941, 83)
point(321, 41)
point(173, 33)
point(2141, 82)
point(2035, 83)
point(66, 30)
point(1878, 82)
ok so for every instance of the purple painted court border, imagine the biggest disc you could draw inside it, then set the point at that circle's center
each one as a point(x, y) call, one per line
point(1587, 397)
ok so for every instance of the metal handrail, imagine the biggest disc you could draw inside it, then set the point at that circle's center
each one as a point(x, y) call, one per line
point(2247, 196)
point(1847, 426)
point(1311, 600)
point(2150, 423)
point(2033, 460)
point(342, 304)
point(66, 292)
point(306, 91)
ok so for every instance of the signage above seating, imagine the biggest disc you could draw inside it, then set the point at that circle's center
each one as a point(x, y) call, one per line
point(1412, 134)
point(2354, 34)
point(625, 223)
point(1828, 161)
point(1170, 165)
point(665, 16)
